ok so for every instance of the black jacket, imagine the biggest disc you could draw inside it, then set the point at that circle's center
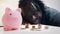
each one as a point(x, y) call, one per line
point(52, 17)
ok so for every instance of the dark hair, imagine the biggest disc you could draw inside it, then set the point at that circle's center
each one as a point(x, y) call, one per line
point(32, 8)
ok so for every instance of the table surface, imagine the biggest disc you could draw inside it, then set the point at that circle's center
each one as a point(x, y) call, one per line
point(50, 30)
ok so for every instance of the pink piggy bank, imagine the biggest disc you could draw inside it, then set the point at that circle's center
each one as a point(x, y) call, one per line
point(12, 20)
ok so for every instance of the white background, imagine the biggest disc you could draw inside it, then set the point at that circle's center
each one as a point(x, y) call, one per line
point(13, 4)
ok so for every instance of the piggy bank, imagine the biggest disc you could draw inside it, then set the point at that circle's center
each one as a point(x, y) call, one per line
point(12, 19)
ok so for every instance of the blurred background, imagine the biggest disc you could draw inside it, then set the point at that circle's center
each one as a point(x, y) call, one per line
point(13, 4)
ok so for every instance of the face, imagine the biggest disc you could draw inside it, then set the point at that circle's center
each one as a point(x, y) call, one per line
point(31, 12)
point(13, 13)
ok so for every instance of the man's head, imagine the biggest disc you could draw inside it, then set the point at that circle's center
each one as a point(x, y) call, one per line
point(31, 10)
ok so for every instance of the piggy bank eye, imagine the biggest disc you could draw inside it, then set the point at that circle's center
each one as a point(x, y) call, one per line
point(10, 14)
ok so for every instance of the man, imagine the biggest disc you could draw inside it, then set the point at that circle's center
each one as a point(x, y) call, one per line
point(35, 12)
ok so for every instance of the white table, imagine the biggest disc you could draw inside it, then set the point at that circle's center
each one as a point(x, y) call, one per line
point(50, 30)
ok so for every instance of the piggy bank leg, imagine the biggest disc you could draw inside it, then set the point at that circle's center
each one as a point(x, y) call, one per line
point(14, 28)
point(6, 29)
point(9, 28)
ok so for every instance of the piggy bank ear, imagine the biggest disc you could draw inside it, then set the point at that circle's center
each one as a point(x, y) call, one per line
point(18, 9)
point(7, 10)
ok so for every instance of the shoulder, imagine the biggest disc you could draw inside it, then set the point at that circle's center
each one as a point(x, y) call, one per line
point(51, 11)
